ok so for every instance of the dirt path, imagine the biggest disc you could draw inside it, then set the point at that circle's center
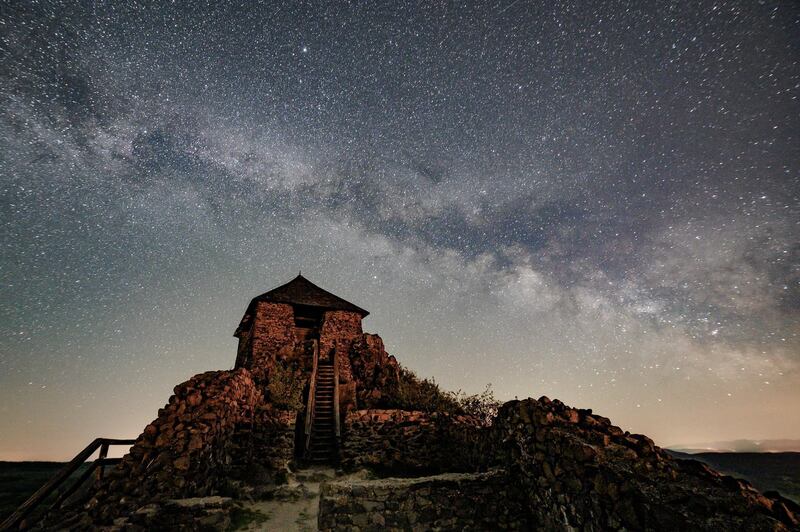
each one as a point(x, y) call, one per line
point(294, 507)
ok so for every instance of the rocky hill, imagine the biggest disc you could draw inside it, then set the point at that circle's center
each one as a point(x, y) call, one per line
point(540, 465)
point(229, 440)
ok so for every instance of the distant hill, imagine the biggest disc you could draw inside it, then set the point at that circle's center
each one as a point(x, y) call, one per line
point(18, 481)
point(739, 446)
point(769, 471)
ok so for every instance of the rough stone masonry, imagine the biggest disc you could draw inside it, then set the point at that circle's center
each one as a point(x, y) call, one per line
point(540, 465)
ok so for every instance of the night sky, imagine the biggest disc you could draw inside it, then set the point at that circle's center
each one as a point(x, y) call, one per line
point(597, 202)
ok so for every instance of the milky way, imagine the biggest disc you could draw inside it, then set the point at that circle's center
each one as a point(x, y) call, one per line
point(595, 203)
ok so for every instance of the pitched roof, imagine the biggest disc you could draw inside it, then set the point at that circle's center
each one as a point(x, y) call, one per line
point(300, 291)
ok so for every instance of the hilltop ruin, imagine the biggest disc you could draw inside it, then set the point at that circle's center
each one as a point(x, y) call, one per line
point(310, 387)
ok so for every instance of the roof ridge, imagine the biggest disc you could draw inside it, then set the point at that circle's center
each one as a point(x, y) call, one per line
point(301, 291)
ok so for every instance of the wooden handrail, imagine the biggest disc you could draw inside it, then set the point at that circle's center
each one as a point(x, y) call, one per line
point(103, 454)
point(312, 389)
point(98, 465)
point(62, 476)
point(336, 423)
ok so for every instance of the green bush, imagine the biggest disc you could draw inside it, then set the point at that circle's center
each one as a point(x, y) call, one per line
point(285, 387)
point(413, 393)
point(480, 405)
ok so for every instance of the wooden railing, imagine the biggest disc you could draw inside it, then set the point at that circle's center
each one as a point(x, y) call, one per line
point(336, 424)
point(312, 388)
point(62, 476)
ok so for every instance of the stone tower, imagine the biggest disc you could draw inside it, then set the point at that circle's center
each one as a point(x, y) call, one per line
point(280, 324)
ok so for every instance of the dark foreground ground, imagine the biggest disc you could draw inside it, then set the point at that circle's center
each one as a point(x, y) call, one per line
point(18, 481)
point(766, 471)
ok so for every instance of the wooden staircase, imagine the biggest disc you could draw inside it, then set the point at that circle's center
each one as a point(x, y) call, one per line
point(322, 443)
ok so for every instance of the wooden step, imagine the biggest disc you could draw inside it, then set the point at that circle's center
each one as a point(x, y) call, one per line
point(316, 451)
point(322, 446)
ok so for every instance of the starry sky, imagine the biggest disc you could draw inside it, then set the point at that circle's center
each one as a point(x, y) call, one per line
point(596, 202)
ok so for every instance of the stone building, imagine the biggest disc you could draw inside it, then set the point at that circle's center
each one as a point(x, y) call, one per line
point(538, 465)
point(299, 325)
point(279, 323)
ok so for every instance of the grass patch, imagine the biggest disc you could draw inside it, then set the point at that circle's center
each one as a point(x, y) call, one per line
point(243, 517)
point(302, 521)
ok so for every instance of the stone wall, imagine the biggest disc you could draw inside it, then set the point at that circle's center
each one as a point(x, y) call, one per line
point(453, 501)
point(374, 371)
point(184, 451)
point(570, 468)
point(272, 338)
point(244, 350)
point(578, 471)
point(406, 442)
point(261, 449)
point(339, 330)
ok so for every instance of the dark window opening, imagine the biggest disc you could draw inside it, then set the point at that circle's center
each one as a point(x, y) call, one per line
point(308, 319)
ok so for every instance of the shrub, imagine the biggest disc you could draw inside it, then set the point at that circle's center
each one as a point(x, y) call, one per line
point(482, 406)
point(285, 387)
point(413, 393)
